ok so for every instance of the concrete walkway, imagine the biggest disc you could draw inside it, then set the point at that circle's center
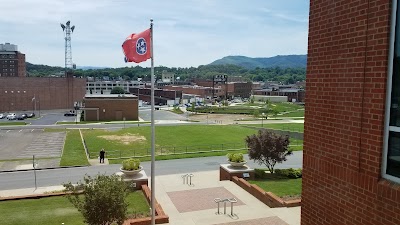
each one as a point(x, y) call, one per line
point(193, 205)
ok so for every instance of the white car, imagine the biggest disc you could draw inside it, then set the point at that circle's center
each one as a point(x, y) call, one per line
point(2, 116)
point(12, 116)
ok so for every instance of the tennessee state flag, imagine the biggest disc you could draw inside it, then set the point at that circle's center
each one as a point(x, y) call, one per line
point(137, 47)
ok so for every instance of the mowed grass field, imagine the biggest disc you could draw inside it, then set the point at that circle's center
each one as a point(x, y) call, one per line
point(295, 127)
point(280, 186)
point(135, 141)
point(56, 210)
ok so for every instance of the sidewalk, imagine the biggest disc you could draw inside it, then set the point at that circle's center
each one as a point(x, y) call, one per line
point(194, 205)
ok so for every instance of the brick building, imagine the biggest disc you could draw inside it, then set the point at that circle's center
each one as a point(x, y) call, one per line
point(351, 157)
point(12, 62)
point(293, 95)
point(112, 107)
point(203, 92)
point(240, 89)
point(21, 93)
point(161, 96)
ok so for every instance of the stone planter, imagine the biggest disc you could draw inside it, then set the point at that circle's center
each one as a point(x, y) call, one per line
point(237, 164)
point(131, 172)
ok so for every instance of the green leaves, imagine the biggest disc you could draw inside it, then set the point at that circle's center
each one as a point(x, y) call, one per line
point(131, 164)
point(117, 90)
point(100, 199)
point(268, 148)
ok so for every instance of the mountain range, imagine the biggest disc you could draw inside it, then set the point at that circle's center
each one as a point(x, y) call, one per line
point(283, 61)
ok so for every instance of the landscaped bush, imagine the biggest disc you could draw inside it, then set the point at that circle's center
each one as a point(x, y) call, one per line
point(235, 157)
point(290, 173)
point(131, 164)
point(259, 173)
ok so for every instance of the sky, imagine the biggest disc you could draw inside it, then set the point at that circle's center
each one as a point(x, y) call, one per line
point(186, 32)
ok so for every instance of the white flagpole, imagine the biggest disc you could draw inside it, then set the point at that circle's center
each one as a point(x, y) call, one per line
point(153, 138)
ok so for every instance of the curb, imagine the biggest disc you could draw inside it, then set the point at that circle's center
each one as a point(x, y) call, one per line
point(48, 168)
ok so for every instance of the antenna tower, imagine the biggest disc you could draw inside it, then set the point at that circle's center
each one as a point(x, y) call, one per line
point(68, 30)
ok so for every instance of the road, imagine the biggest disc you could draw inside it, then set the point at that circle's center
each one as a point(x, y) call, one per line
point(52, 177)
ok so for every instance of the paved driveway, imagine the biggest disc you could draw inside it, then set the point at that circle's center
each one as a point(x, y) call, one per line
point(162, 114)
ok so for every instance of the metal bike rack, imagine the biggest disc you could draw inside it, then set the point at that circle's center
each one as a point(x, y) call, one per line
point(217, 200)
point(187, 179)
point(230, 200)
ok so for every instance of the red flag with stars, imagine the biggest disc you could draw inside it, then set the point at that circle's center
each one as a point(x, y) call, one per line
point(137, 47)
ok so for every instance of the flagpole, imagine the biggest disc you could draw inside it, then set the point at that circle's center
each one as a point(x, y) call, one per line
point(153, 210)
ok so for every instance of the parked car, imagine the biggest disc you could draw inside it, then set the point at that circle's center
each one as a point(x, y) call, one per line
point(12, 116)
point(70, 113)
point(24, 115)
point(2, 116)
point(31, 115)
point(21, 117)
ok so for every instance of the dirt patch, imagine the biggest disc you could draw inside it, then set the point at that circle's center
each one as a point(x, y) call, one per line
point(219, 118)
point(125, 139)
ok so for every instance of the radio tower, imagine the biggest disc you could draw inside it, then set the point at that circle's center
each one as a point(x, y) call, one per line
point(68, 53)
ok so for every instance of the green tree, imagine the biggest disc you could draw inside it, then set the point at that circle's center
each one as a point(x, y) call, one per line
point(256, 113)
point(102, 201)
point(117, 90)
point(268, 148)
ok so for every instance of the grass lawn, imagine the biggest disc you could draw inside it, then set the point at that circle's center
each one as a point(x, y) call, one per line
point(180, 156)
point(295, 127)
point(177, 111)
point(285, 106)
point(278, 185)
point(135, 141)
point(11, 123)
point(105, 122)
point(56, 210)
point(73, 153)
point(299, 113)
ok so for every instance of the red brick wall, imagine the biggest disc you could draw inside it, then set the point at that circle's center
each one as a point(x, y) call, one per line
point(345, 98)
point(50, 93)
point(109, 108)
point(21, 65)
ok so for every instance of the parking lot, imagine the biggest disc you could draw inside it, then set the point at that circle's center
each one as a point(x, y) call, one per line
point(44, 117)
point(17, 148)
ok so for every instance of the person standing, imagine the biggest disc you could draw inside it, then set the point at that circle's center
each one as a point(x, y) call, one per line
point(102, 154)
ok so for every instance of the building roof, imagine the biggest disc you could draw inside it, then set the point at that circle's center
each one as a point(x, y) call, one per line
point(110, 96)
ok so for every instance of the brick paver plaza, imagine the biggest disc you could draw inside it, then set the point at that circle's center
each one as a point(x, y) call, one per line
point(200, 199)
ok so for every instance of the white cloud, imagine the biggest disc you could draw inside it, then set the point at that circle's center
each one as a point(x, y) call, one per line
point(186, 33)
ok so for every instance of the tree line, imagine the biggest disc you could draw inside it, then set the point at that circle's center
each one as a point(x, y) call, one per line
point(284, 75)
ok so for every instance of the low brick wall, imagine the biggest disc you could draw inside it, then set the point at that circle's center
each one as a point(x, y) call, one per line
point(161, 217)
point(267, 198)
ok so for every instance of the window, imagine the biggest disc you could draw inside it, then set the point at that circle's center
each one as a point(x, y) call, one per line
point(391, 153)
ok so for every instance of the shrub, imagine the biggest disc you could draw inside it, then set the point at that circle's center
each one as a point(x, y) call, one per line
point(131, 164)
point(259, 173)
point(103, 200)
point(235, 157)
point(290, 173)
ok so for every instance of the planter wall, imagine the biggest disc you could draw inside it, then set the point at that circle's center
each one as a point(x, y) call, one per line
point(267, 198)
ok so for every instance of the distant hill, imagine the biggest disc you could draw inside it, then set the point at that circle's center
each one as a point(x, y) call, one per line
point(283, 61)
point(91, 67)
